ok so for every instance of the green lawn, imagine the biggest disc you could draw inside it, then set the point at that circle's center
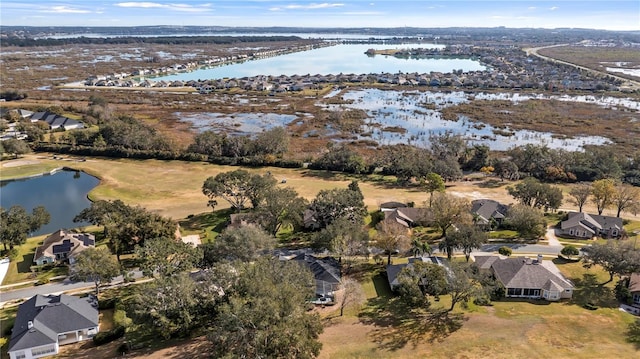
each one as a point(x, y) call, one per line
point(20, 266)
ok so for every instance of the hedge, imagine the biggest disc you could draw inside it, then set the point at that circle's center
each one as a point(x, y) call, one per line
point(109, 336)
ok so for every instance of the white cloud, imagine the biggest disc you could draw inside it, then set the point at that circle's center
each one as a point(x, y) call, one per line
point(65, 10)
point(312, 6)
point(553, 8)
point(155, 5)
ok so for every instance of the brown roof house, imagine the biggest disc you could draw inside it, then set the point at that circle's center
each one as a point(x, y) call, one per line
point(61, 246)
point(43, 323)
point(527, 277)
point(634, 288)
point(584, 225)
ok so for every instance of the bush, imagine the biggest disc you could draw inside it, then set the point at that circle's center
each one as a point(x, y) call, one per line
point(590, 306)
point(505, 251)
point(42, 281)
point(6, 332)
point(123, 348)
point(109, 303)
point(109, 336)
point(120, 318)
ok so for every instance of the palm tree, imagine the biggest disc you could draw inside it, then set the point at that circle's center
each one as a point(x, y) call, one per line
point(420, 247)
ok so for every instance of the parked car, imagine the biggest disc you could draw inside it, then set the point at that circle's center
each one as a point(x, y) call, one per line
point(324, 301)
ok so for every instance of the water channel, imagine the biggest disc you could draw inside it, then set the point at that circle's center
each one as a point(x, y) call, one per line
point(63, 194)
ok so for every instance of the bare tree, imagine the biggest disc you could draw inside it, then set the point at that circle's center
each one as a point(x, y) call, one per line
point(392, 236)
point(580, 194)
point(626, 197)
point(352, 294)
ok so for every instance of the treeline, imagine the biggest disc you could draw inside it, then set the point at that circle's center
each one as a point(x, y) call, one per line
point(165, 40)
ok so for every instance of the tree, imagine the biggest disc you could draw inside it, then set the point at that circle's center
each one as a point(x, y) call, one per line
point(505, 251)
point(232, 186)
point(391, 236)
point(281, 206)
point(352, 294)
point(506, 169)
point(265, 314)
point(274, 141)
point(338, 203)
point(528, 222)
point(344, 239)
point(244, 244)
point(447, 210)
point(16, 224)
point(209, 143)
point(467, 238)
point(420, 247)
point(531, 192)
point(96, 265)
point(603, 192)
point(433, 182)
point(569, 251)
point(460, 286)
point(419, 280)
point(168, 305)
point(626, 197)
point(580, 194)
point(341, 158)
point(616, 258)
point(633, 332)
point(258, 187)
point(166, 257)
point(16, 147)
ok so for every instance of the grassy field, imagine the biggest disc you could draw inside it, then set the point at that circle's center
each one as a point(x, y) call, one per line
point(20, 267)
point(507, 329)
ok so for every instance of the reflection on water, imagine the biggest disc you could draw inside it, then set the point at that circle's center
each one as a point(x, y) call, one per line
point(339, 59)
point(63, 194)
point(411, 117)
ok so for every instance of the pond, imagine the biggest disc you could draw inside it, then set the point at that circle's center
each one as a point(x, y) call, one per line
point(345, 59)
point(63, 194)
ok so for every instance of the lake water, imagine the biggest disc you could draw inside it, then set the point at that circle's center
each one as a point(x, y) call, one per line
point(64, 195)
point(345, 59)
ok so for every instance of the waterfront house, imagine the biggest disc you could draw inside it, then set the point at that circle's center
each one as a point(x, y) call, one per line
point(62, 246)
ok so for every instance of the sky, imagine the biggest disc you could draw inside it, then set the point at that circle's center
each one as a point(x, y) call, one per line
point(609, 15)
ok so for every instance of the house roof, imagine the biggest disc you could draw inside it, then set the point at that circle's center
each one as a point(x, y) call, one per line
point(392, 205)
point(488, 208)
point(634, 282)
point(593, 221)
point(405, 216)
point(49, 316)
point(61, 241)
point(394, 269)
point(526, 273)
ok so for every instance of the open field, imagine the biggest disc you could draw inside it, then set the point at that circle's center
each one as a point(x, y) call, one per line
point(597, 58)
point(173, 188)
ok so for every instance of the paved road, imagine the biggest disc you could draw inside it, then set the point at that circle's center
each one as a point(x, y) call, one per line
point(53, 288)
point(523, 248)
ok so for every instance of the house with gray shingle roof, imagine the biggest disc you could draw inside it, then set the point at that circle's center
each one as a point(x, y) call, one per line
point(527, 278)
point(43, 323)
point(634, 289)
point(584, 225)
point(394, 269)
point(488, 210)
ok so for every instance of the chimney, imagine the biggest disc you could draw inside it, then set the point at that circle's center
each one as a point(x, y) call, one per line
point(29, 324)
point(539, 260)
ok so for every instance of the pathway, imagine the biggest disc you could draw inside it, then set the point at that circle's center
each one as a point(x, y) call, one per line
point(4, 267)
point(551, 237)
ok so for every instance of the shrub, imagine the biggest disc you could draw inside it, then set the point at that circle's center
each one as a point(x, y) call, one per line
point(505, 251)
point(120, 318)
point(109, 336)
point(6, 332)
point(42, 281)
point(123, 348)
point(109, 303)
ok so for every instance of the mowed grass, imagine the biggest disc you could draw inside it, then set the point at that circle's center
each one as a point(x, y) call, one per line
point(507, 329)
point(20, 266)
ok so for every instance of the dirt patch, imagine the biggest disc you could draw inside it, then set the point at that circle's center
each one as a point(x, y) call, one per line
point(18, 163)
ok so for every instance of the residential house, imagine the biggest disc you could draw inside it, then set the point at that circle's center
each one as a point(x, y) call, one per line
point(583, 225)
point(488, 211)
point(43, 323)
point(526, 277)
point(61, 246)
point(391, 206)
point(394, 269)
point(326, 270)
point(634, 289)
point(408, 217)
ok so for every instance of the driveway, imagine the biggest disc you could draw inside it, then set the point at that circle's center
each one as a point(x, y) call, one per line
point(551, 237)
point(4, 267)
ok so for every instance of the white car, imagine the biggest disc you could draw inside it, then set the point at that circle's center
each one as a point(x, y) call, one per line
point(323, 301)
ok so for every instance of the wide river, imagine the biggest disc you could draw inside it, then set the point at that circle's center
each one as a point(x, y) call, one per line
point(63, 194)
point(345, 59)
